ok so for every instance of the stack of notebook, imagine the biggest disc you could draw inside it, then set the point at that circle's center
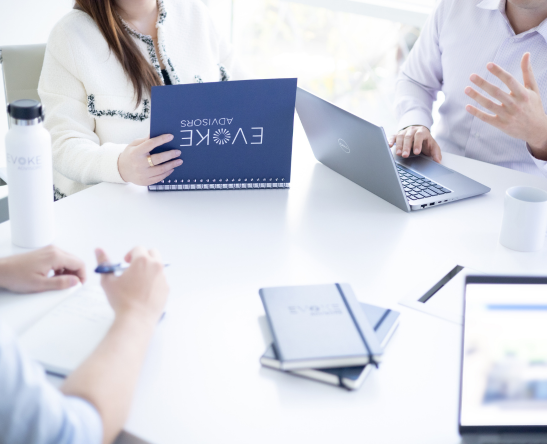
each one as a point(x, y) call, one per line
point(321, 332)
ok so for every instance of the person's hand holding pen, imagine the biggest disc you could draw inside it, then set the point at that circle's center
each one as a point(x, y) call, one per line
point(519, 112)
point(141, 291)
point(107, 378)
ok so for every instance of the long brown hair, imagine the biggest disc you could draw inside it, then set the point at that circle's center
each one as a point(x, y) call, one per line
point(142, 75)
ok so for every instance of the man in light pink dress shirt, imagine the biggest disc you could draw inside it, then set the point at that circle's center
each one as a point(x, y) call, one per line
point(500, 46)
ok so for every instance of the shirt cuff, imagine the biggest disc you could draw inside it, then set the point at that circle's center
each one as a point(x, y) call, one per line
point(541, 164)
point(415, 117)
point(109, 162)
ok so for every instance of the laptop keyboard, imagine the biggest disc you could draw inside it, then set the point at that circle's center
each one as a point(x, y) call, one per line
point(418, 187)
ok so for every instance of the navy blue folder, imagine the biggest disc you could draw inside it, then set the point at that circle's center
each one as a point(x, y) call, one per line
point(232, 135)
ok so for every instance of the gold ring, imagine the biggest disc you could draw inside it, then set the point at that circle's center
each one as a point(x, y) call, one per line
point(150, 161)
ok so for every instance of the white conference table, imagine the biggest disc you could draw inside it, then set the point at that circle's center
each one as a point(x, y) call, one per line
point(202, 381)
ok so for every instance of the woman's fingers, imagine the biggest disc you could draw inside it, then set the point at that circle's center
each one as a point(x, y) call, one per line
point(163, 168)
point(160, 158)
point(138, 142)
point(150, 144)
point(159, 178)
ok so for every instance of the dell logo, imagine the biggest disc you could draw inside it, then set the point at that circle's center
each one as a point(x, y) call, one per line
point(343, 145)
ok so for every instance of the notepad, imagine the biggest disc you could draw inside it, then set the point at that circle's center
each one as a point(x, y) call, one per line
point(68, 334)
point(232, 135)
point(319, 326)
point(384, 323)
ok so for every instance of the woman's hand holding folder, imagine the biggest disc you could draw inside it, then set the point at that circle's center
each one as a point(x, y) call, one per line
point(138, 166)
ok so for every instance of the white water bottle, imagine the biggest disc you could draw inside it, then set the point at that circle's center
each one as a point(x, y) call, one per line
point(30, 176)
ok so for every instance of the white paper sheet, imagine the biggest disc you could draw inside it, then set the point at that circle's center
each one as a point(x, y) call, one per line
point(447, 303)
point(68, 334)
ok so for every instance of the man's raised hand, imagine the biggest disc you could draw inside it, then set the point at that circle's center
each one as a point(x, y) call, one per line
point(518, 113)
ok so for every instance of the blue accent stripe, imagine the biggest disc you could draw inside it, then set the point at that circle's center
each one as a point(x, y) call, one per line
point(382, 319)
point(515, 307)
point(357, 326)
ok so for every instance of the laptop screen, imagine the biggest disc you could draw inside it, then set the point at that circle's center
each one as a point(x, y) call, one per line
point(504, 368)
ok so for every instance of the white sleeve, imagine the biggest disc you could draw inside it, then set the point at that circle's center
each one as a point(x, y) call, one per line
point(77, 152)
point(33, 411)
point(421, 76)
point(229, 59)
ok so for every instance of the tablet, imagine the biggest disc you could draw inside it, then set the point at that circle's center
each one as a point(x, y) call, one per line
point(503, 387)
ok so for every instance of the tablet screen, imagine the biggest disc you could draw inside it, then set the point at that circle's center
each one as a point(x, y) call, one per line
point(504, 371)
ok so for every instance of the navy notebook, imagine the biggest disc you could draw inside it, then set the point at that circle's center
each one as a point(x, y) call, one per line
point(384, 322)
point(319, 326)
point(232, 135)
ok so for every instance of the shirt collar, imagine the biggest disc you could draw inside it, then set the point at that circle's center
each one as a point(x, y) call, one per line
point(492, 5)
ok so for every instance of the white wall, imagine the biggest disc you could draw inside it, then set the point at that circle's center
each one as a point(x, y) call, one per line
point(23, 22)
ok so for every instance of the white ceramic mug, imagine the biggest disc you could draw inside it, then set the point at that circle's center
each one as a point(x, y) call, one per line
point(524, 219)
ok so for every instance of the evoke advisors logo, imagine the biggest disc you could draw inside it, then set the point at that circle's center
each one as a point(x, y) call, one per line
point(315, 310)
point(343, 145)
point(219, 136)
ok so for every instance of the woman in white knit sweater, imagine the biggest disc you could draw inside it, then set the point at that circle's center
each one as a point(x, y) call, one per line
point(101, 61)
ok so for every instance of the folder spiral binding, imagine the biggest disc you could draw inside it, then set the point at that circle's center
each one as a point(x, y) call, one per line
point(232, 135)
point(226, 184)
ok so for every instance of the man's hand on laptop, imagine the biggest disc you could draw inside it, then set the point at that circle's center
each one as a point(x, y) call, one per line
point(418, 139)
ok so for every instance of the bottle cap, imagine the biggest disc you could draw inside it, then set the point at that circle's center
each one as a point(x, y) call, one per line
point(25, 109)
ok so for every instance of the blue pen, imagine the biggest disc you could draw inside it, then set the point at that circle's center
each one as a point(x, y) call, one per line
point(114, 268)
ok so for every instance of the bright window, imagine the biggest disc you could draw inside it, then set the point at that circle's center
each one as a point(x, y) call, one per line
point(349, 58)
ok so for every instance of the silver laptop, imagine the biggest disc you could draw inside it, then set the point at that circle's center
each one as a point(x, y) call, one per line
point(503, 387)
point(359, 151)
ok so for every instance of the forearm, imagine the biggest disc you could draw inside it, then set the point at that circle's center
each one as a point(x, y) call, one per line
point(5, 272)
point(86, 162)
point(108, 377)
point(77, 150)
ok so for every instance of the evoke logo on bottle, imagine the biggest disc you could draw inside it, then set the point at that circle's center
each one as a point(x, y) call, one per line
point(25, 162)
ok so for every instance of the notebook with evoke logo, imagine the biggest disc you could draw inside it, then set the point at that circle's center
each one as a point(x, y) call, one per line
point(232, 135)
point(319, 326)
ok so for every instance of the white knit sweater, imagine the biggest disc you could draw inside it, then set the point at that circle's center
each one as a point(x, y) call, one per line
point(90, 102)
